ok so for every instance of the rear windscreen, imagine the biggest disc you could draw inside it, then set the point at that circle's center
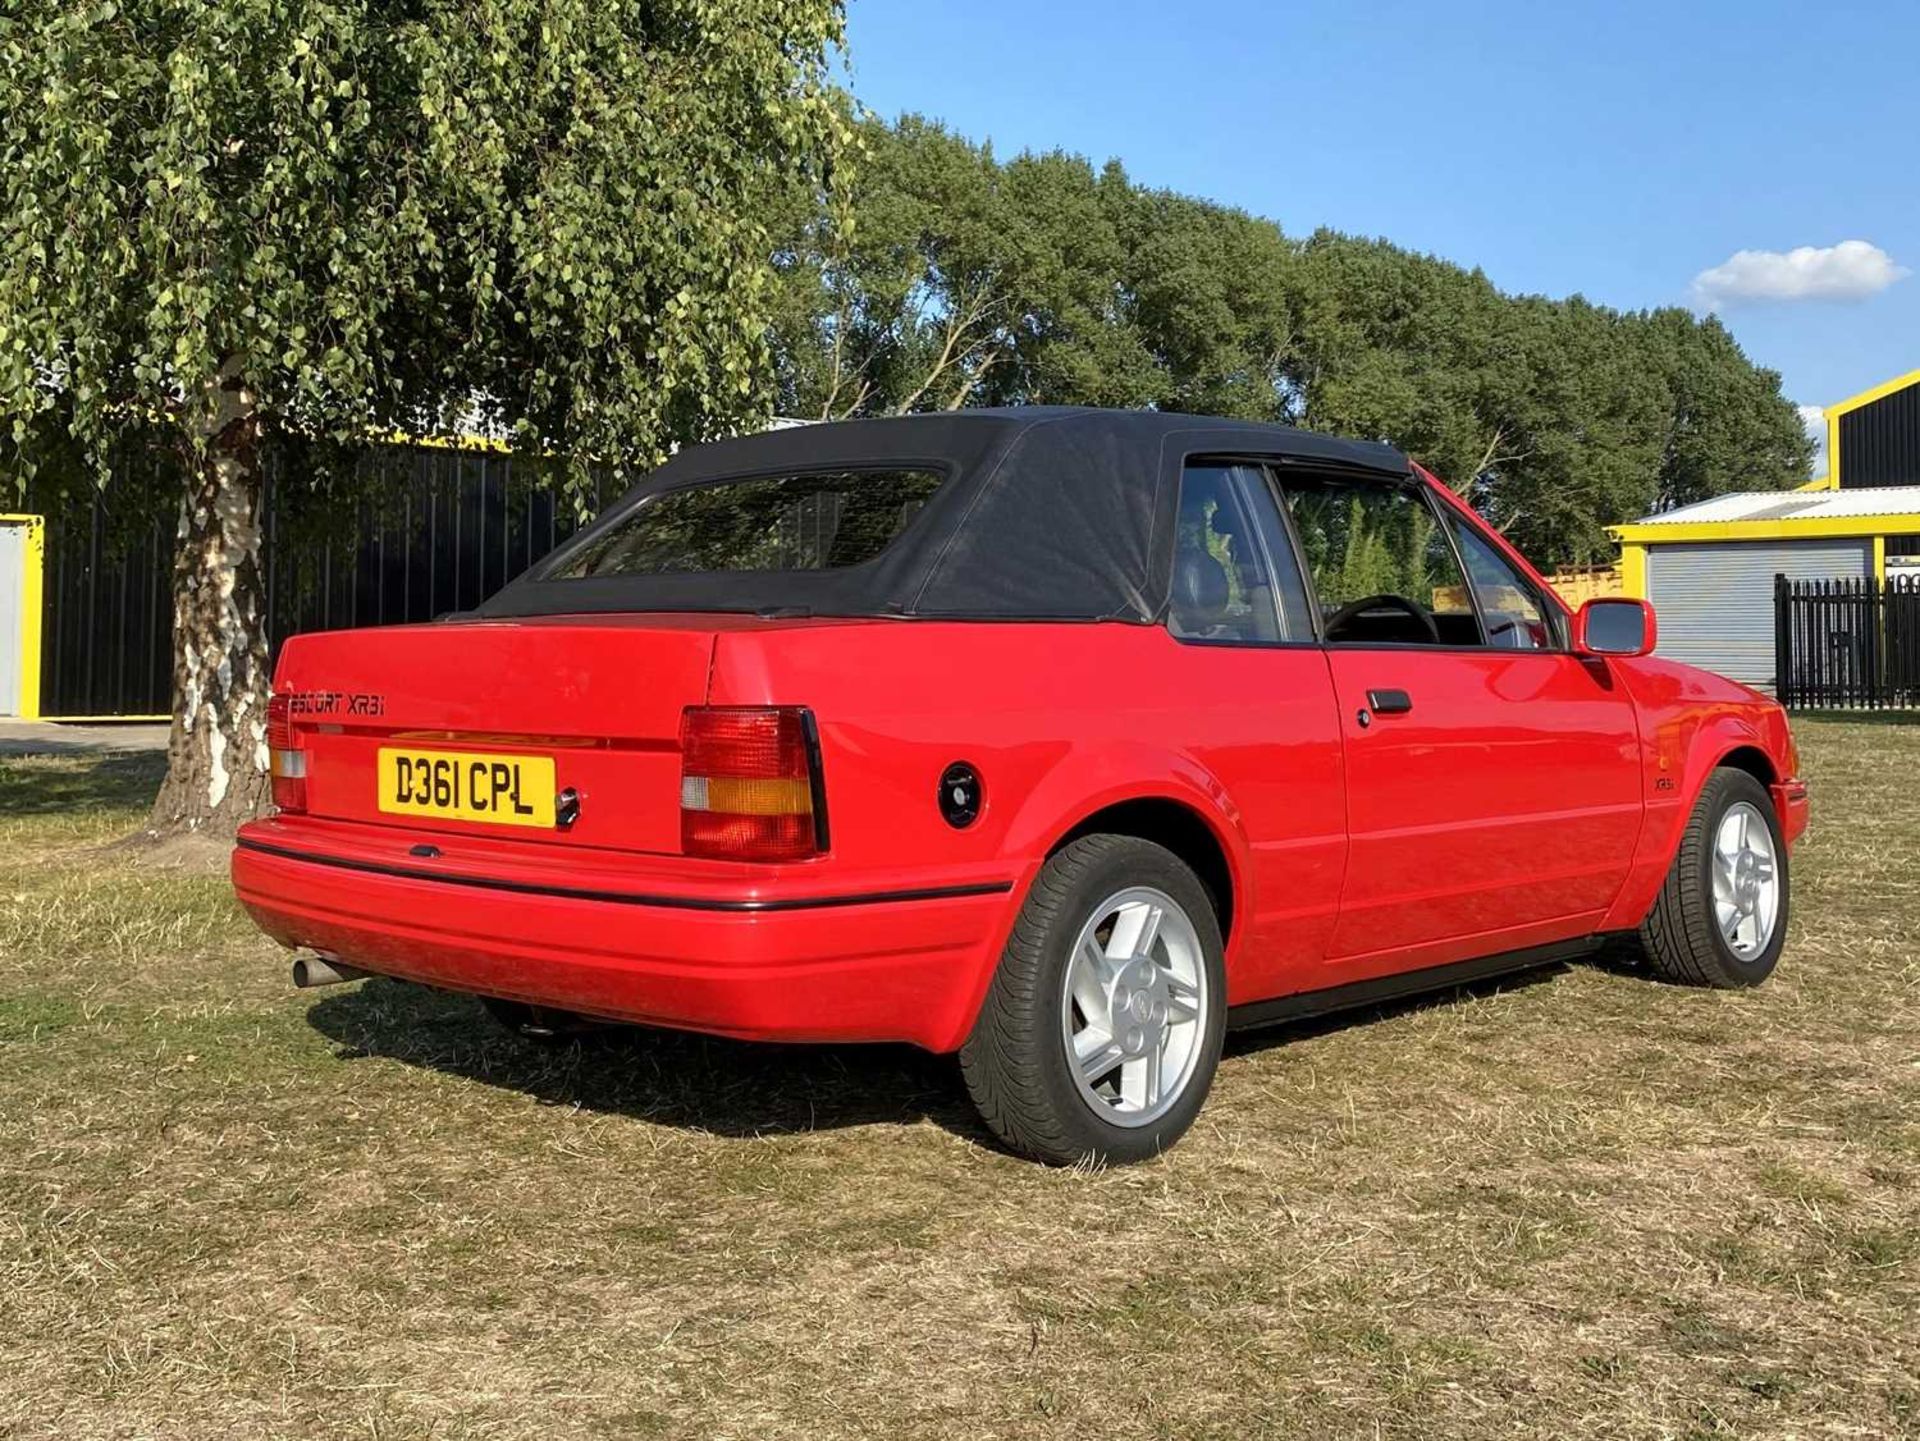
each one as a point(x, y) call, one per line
point(819, 521)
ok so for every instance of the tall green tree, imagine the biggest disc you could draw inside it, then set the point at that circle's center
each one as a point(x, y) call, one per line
point(1206, 292)
point(1728, 428)
point(895, 287)
point(1557, 418)
point(220, 218)
point(942, 277)
point(1393, 345)
point(948, 277)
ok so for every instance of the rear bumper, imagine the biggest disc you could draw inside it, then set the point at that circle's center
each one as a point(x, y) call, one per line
point(866, 964)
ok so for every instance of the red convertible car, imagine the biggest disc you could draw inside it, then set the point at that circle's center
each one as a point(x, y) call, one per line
point(1063, 739)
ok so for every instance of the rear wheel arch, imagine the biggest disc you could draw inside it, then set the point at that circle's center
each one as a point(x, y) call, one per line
point(1178, 827)
point(1149, 1007)
point(1199, 831)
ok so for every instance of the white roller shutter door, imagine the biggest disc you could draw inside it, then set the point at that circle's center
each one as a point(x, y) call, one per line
point(1715, 600)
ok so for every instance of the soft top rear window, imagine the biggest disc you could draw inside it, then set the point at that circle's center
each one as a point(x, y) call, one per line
point(820, 520)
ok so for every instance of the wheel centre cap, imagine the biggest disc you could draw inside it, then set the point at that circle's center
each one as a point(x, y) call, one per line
point(1137, 1007)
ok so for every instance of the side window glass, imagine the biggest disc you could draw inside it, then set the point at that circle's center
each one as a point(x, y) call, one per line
point(1510, 608)
point(1289, 586)
point(1383, 570)
point(1222, 583)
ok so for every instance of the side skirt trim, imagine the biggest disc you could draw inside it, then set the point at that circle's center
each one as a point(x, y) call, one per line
point(1303, 1005)
point(630, 898)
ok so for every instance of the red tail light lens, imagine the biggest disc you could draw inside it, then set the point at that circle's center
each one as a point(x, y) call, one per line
point(287, 765)
point(748, 784)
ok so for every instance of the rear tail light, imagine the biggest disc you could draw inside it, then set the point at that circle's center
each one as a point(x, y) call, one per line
point(287, 765)
point(750, 784)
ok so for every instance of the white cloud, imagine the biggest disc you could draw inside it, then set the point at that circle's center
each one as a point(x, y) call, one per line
point(1815, 420)
point(1851, 270)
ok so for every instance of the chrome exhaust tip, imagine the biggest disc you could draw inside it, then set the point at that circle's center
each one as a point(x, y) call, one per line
point(323, 970)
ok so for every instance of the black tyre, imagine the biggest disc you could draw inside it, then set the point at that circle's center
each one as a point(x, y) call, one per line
point(542, 1025)
point(1101, 1032)
point(1721, 916)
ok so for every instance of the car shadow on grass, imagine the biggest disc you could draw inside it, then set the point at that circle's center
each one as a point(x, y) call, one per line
point(737, 1088)
point(673, 1078)
point(1254, 1040)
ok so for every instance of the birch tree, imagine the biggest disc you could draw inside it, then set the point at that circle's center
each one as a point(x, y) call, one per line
point(220, 219)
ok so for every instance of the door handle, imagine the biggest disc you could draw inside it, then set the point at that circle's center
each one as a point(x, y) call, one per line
point(1389, 702)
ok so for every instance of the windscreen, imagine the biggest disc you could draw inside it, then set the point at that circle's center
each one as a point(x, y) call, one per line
point(826, 520)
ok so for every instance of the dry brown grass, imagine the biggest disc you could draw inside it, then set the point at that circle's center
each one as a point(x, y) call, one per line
point(1583, 1205)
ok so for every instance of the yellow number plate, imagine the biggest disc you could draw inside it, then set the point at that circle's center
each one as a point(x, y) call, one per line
point(468, 786)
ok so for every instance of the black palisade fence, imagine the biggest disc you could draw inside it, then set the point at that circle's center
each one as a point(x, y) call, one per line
point(389, 534)
point(1847, 643)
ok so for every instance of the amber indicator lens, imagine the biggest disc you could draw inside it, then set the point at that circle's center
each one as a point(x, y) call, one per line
point(746, 783)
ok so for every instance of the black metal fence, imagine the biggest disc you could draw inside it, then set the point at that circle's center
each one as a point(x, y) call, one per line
point(398, 533)
point(1847, 643)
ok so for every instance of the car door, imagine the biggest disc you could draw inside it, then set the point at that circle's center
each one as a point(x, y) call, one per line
point(1493, 791)
point(1258, 714)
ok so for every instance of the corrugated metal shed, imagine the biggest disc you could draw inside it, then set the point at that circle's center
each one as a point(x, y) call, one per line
point(1748, 505)
point(1709, 568)
point(1873, 438)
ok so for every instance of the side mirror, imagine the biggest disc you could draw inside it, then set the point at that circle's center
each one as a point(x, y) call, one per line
point(1614, 625)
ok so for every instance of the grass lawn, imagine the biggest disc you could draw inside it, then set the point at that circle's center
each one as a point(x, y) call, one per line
point(1581, 1204)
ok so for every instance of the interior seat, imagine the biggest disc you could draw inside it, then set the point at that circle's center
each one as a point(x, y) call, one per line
point(1200, 593)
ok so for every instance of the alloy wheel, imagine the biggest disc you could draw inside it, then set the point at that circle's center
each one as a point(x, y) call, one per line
point(1746, 880)
point(1135, 1007)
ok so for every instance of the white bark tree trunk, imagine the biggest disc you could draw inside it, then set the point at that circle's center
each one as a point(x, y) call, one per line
point(217, 758)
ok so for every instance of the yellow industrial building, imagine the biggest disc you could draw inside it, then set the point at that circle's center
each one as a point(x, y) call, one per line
point(1709, 568)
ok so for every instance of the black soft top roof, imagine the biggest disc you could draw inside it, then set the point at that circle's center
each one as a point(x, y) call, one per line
point(1054, 513)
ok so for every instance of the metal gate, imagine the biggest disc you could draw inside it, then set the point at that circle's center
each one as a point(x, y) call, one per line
point(404, 533)
point(1847, 643)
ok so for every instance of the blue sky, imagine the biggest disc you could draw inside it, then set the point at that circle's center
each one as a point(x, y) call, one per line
point(1620, 150)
